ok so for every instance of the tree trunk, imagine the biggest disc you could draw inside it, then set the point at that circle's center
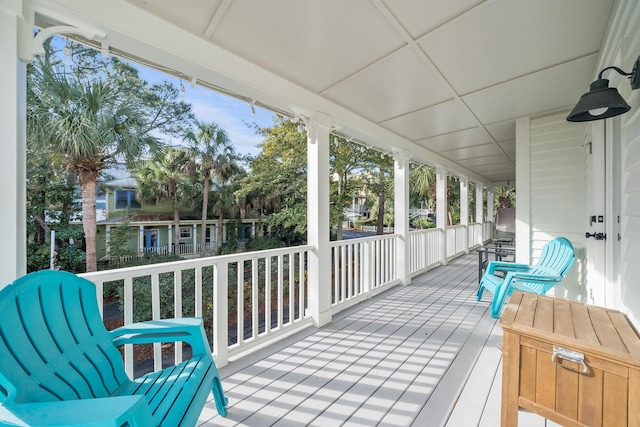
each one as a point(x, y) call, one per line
point(260, 227)
point(88, 189)
point(341, 214)
point(205, 202)
point(380, 220)
point(220, 233)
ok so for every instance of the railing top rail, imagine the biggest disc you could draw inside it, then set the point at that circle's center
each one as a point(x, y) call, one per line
point(142, 270)
point(362, 239)
point(426, 231)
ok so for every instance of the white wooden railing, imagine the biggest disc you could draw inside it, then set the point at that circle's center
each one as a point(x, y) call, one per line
point(426, 250)
point(250, 299)
point(243, 298)
point(360, 268)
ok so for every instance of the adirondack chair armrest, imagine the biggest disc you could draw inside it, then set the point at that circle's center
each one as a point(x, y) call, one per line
point(100, 412)
point(537, 278)
point(494, 266)
point(8, 391)
point(188, 329)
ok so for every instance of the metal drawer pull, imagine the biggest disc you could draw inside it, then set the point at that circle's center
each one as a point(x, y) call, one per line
point(571, 356)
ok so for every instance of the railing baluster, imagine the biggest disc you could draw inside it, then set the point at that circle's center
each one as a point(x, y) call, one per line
point(280, 290)
point(177, 290)
point(221, 312)
point(267, 294)
point(128, 319)
point(240, 303)
point(302, 281)
point(343, 273)
point(292, 286)
point(255, 319)
point(155, 315)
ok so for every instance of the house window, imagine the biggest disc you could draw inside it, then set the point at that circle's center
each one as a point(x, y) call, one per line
point(126, 199)
point(185, 232)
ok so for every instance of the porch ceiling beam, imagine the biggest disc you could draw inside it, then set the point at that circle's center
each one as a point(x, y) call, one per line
point(132, 30)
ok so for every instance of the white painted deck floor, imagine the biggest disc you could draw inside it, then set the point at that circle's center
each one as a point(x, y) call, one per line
point(422, 355)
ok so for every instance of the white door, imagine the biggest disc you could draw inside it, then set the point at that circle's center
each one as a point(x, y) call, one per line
point(603, 211)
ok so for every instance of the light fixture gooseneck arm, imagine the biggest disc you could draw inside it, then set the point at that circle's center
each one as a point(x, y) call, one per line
point(613, 68)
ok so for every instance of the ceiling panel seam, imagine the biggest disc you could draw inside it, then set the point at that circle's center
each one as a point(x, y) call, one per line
point(391, 18)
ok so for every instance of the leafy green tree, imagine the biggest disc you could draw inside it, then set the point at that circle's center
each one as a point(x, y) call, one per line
point(422, 185)
point(453, 200)
point(214, 157)
point(119, 240)
point(92, 125)
point(165, 177)
point(378, 168)
point(344, 158)
point(223, 194)
point(278, 178)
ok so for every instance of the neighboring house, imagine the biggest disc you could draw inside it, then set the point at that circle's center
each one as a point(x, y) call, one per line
point(154, 224)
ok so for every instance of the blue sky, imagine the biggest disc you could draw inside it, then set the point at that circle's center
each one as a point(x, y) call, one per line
point(207, 105)
point(231, 114)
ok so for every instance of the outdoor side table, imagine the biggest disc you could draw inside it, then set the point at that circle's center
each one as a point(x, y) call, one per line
point(574, 364)
point(498, 253)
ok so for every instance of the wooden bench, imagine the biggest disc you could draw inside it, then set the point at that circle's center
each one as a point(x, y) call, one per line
point(60, 366)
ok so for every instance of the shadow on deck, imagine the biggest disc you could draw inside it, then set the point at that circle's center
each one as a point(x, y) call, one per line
point(419, 355)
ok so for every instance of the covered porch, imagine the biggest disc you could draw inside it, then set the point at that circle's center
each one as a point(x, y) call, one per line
point(475, 89)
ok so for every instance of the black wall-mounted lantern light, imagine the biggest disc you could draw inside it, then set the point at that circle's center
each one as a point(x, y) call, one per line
point(602, 101)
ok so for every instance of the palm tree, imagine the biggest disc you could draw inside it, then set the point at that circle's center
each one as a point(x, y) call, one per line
point(421, 184)
point(214, 155)
point(91, 125)
point(165, 177)
point(224, 199)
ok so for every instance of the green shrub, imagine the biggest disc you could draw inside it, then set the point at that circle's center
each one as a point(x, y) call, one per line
point(423, 223)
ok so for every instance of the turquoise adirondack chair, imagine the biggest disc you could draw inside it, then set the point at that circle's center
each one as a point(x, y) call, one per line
point(554, 263)
point(59, 366)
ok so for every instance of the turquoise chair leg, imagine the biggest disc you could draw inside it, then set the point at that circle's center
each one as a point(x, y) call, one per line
point(480, 290)
point(499, 297)
point(219, 397)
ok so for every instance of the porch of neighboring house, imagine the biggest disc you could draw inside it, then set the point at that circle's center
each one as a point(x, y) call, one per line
point(425, 354)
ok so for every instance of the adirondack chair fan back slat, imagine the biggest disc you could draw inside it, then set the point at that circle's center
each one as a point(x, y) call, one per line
point(60, 366)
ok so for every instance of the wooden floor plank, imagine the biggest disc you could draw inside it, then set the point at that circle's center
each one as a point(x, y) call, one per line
point(393, 360)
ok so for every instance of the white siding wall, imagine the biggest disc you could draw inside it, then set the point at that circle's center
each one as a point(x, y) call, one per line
point(556, 193)
point(622, 47)
point(630, 233)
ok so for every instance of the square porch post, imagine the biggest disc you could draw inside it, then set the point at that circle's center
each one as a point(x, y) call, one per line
point(13, 134)
point(401, 215)
point(464, 211)
point(319, 285)
point(479, 213)
point(441, 210)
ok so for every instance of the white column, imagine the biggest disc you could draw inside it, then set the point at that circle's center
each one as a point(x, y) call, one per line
point(141, 239)
point(441, 210)
point(464, 211)
point(490, 216)
point(107, 239)
point(523, 217)
point(13, 175)
point(479, 204)
point(194, 233)
point(318, 130)
point(479, 214)
point(401, 215)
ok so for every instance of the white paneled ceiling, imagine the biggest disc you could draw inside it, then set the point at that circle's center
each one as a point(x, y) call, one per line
point(449, 76)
